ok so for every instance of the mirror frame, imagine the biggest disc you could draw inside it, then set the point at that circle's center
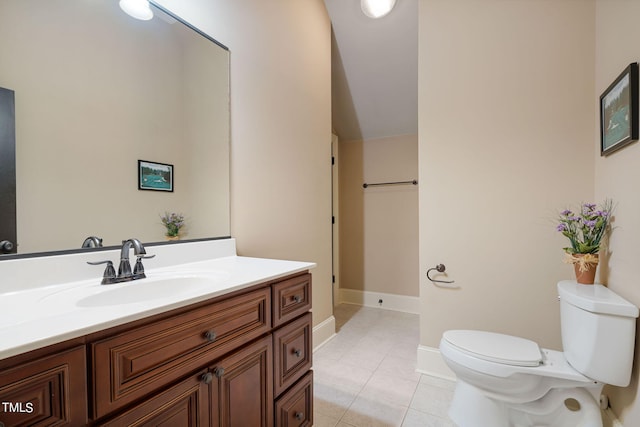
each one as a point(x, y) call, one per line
point(197, 30)
point(9, 257)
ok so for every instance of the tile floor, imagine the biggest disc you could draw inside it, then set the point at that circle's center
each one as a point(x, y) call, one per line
point(365, 376)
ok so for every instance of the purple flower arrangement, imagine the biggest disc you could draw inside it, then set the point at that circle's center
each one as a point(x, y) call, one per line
point(173, 222)
point(585, 228)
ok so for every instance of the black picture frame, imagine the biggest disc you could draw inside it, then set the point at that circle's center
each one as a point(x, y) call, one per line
point(155, 176)
point(619, 112)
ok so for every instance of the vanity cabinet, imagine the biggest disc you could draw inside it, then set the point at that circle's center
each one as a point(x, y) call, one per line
point(241, 359)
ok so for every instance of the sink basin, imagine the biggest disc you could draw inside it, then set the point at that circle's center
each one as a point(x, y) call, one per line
point(150, 289)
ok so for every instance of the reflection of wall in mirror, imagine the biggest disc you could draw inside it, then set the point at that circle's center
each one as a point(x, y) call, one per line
point(78, 146)
point(206, 115)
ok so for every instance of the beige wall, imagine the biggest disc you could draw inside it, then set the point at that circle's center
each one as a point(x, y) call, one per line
point(617, 176)
point(207, 119)
point(280, 128)
point(379, 225)
point(506, 113)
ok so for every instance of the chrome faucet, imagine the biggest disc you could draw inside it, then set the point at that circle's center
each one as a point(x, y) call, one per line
point(92, 242)
point(124, 270)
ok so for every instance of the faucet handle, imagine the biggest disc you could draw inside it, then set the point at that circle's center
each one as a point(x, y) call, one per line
point(109, 275)
point(138, 270)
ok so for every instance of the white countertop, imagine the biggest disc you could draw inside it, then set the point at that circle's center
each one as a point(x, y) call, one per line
point(36, 317)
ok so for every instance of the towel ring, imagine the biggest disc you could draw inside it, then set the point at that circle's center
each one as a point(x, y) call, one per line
point(440, 268)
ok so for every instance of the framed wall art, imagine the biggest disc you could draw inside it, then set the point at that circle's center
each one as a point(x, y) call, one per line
point(619, 112)
point(155, 176)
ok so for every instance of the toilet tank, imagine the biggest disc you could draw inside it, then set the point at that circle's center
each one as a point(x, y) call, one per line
point(598, 331)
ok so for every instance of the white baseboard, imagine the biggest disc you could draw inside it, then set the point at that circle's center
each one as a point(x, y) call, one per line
point(405, 303)
point(430, 362)
point(323, 332)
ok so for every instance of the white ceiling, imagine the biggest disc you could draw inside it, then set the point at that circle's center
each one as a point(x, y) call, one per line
point(374, 70)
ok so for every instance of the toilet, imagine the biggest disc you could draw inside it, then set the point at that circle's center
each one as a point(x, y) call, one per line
point(507, 381)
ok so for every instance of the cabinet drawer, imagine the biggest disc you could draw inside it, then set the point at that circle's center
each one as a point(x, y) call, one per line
point(48, 391)
point(291, 298)
point(295, 407)
point(292, 352)
point(183, 405)
point(137, 362)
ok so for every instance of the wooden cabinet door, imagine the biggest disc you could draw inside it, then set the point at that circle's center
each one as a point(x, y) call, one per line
point(242, 387)
point(292, 352)
point(47, 391)
point(183, 405)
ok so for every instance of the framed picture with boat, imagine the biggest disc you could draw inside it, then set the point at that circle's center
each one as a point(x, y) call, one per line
point(155, 176)
point(619, 112)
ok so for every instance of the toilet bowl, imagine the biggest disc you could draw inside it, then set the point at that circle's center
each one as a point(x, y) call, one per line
point(507, 381)
point(508, 368)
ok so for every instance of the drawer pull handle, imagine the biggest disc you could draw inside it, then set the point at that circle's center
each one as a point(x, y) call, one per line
point(297, 298)
point(299, 416)
point(210, 336)
point(219, 372)
point(298, 353)
point(206, 378)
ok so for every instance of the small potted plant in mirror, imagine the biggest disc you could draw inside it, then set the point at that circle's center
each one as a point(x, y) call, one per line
point(585, 229)
point(173, 222)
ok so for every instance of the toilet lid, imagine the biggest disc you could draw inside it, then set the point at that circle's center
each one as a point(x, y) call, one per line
point(495, 347)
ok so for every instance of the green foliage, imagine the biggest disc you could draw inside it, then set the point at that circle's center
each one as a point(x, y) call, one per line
point(586, 228)
point(173, 223)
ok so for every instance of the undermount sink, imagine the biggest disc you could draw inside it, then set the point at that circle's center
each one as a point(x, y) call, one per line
point(150, 289)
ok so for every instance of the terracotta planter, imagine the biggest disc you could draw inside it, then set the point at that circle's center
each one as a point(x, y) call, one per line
point(585, 266)
point(172, 237)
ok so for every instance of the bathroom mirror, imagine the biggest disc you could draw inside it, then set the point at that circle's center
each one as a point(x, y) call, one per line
point(95, 92)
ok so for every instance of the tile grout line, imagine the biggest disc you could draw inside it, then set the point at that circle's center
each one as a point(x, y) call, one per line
point(367, 327)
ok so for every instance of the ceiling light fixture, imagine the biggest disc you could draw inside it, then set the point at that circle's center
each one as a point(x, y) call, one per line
point(376, 8)
point(139, 9)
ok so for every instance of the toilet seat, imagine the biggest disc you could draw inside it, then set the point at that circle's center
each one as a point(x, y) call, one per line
point(493, 347)
point(468, 349)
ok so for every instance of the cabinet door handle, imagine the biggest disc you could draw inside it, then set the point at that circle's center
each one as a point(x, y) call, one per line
point(210, 336)
point(299, 416)
point(207, 377)
point(297, 298)
point(219, 372)
point(298, 353)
